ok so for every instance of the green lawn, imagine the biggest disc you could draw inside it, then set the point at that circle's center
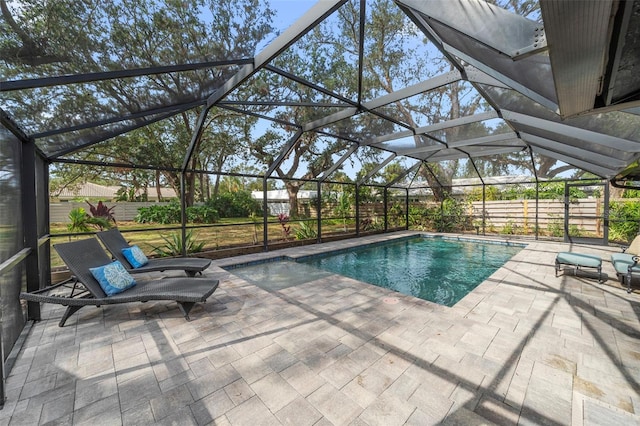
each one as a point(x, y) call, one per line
point(226, 233)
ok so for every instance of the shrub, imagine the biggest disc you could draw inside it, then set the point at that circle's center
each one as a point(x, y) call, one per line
point(171, 213)
point(624, 220)
point(510, 228)
point(307, 231)
point(202, 214)
point(101, 211)
point(161, 213)
point(235, 204)
point(556, 227)
point(286, 229)
point(450, 217)
point(419, 218)
point(173, 244)
point(80, 221)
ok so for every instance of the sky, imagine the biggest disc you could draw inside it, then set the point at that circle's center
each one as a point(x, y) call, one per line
point(287, 11)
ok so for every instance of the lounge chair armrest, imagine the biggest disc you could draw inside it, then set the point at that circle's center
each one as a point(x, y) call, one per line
point(635, 260)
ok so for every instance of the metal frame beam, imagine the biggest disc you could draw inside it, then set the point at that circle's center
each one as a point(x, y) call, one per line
point(376, 169)
point(8, 86)
point(572, 131)
point(573, 152)
point(453, 156)
point(603, 172)
point(468, 119)
point(415, 167)
point(466, 142)
point(176, 109)
point(297, 30)
point(283, 154)
point(309, 84)
point(407, 92)
point(106, 136)
point(338, 163)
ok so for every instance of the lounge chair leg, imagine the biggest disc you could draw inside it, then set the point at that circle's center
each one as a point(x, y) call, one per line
point(191, 273)
point(185, 308)
point(70, 311)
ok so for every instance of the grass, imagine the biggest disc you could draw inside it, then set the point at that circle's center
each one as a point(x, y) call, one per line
point(226, 233)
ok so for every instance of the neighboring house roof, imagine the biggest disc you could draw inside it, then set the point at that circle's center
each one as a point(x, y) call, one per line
point(88, 190)
point(164, 192)
point(95, 191)
point(282, 195)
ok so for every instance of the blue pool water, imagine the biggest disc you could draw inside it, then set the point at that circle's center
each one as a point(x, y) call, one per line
point(435, 269)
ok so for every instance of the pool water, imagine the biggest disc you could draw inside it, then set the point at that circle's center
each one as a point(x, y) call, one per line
point(436, 269)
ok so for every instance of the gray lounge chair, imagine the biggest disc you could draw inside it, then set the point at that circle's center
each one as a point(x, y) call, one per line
point(115, 242)
point(81, 255)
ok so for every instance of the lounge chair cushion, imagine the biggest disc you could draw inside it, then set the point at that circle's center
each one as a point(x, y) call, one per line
point(113, 278)
point(579, 259)
point(135, 256)
point(622, 261)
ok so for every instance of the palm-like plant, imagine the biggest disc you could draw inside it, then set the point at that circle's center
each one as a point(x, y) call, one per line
point(173, 244)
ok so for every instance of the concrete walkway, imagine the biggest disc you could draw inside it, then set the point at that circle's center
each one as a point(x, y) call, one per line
point(525, 347)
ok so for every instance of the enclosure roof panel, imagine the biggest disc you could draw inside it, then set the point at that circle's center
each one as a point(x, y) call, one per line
point(464, 79)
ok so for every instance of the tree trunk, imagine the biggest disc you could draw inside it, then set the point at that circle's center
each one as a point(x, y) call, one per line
point(158, 189)
point(216, 186)
point(201, 179)
point(292, 190)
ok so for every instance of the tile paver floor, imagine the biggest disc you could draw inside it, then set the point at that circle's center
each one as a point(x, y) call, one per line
point(524, 347)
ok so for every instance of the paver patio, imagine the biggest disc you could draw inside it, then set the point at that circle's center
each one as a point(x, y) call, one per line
point(524, 347)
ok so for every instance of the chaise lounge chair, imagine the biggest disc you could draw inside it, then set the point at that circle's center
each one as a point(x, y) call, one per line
point(82, 255)
point(626, 263)
point(115, 243)
point(579, 260)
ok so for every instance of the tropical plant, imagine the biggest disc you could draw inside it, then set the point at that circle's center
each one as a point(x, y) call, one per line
point(81, 221)
point(173, 244)
point(307, 231)
point(371, 224)
point(624, 220)
point(78, 220)
point(450, 216)
point(343, 208)
point(102, 211)
point(286, 229)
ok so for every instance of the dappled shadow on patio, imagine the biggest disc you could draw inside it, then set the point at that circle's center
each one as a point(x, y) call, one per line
point(525, 347)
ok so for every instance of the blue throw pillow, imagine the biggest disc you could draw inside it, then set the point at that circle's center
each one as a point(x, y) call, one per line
point(113, 278)
point(135, 256)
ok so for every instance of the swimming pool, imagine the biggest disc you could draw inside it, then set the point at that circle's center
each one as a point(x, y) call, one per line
point(440, 270)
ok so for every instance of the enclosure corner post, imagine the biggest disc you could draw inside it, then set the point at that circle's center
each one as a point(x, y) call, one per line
point(319, 211)
point(484, 209)
point(406, 210)
point(29, 223)
point(265, 216)
point(357, 210)
point(183, 212)
point(385, 199)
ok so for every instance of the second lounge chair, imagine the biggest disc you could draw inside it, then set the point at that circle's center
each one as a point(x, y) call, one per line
point(115, 242)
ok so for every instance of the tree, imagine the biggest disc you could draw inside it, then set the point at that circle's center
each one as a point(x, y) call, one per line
point(58, 38)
